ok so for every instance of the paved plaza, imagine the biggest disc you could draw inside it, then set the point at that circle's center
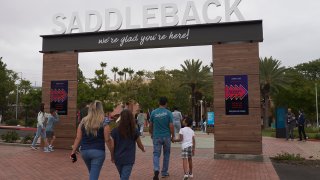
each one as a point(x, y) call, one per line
point(19, 162)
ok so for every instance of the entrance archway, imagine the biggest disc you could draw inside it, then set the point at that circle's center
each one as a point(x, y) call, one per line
point(236, 59)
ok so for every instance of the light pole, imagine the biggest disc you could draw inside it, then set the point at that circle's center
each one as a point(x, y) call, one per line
point(317, 105)
point(201, 101)
point(17, 97)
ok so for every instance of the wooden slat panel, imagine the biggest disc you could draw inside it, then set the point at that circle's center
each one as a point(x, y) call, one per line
point(62, 66)
point(242, 58)
point(238, 147)
point(240, 134)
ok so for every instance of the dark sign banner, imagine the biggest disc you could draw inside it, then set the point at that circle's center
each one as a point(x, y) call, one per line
point(236, 95)
point(59, 96)
point(176, 36)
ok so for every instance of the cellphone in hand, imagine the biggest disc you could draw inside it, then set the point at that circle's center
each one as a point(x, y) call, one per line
point(73, 157)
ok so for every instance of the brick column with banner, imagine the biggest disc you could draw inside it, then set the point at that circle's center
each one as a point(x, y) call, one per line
point(237, 99)
point(60, 72)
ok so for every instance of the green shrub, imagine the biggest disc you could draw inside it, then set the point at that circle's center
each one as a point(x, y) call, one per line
point(317, 136)
point(288, 157)
point(31, 123)
point(27, 139)
point(10, 136)
point(12, 122)
point(312, 130)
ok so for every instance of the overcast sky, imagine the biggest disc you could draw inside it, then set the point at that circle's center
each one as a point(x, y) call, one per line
point(291, 33)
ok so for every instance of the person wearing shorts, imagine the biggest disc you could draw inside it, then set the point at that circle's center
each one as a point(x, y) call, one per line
point(52, 120)
point(186, 136)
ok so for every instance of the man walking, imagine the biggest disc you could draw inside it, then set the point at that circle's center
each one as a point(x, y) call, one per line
point(141, 120)
point(177, 118)
point(301, 122)
point(52, 120)
point(162, 133)
point(291, 123)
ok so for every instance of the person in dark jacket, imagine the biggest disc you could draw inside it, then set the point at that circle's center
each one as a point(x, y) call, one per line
point(301, 122)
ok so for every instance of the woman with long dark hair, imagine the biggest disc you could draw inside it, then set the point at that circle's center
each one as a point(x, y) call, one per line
point(93, 133)
point(125, 137)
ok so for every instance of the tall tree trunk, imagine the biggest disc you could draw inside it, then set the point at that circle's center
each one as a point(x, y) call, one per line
point(193, 102)
point(266, 112)
point(115, 77)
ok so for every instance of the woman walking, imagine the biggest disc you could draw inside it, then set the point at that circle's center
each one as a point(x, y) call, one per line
point(125, 137)
point(93, 133)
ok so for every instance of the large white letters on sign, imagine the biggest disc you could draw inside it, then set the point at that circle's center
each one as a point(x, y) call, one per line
point(187, 17)
point(151, 16)
point(59, 23)
point(89, 16)
point(233, 9)
point(118, 18)
point(75, 23)
point(173, 11)
point(205, 11)
point(148, 13)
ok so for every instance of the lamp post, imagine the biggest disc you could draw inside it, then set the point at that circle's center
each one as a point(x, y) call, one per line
point(201, 101)
point(17, 97)
point(317, 105)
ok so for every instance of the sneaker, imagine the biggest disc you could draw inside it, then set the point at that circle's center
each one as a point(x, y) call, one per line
point(46, 150)
point(186, 176)
point(156, 175)
point(165, 175)
point(190, 175)
point(50, 148)
point(34, 148)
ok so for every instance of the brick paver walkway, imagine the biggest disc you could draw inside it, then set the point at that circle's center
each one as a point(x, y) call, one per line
point(18, 162)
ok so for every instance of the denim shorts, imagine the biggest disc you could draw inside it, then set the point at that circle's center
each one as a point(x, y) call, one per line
point(49, 134)
point(186, 152)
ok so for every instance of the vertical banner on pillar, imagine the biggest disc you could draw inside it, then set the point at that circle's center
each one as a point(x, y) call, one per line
point(210, 118)
point(59, 96)
point(236, 95)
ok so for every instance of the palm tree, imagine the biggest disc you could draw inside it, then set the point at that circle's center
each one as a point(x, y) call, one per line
point(272, 78)
point(125, 70)
point(195, 76)
point(115, 70)
point(140, 73)
point(130, 72)
point(103, 65)
point(120, 73)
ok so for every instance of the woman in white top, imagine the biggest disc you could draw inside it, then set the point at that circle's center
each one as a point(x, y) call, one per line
point(40, 127)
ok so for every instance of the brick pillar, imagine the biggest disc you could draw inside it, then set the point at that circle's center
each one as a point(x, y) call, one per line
point(237, 134)
point(62, 66)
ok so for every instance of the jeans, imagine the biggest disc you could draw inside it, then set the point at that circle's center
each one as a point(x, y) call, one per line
point(158, 143)
point(39, 133)
point(141, 127)
point(93, 159)
point(177, 127)
point(124, 171)
point(301, 130)
point(289, 131)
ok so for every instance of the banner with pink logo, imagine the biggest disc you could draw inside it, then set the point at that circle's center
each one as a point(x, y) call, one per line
point(59, 96)
point(236, 95)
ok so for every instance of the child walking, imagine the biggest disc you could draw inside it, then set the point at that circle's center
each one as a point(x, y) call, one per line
point(186, 136)
point(125, 137)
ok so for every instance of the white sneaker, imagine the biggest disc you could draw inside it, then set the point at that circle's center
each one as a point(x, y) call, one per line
point(50, 149)
point(190, 175)
point(186, 176)
point(46, 150)
point(34, 148)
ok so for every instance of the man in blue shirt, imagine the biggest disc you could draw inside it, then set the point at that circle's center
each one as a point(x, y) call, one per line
point(162, 133)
